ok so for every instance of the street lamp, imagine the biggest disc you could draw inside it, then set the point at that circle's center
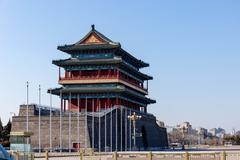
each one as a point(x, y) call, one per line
point(134, 118)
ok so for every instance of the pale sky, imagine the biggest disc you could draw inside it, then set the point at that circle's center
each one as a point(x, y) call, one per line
point(192, 47)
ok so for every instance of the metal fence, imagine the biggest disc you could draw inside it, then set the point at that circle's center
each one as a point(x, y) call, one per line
point(230, 155)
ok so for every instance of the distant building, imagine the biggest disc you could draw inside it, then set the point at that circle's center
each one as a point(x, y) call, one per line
point(218, 132)
point(184, 133)
point(185, 128)
point(213, 131)
point(170, 128)
point(202, 131)
point(237, 133)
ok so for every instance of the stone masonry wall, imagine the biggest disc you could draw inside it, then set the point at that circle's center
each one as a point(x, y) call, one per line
point(119, 133)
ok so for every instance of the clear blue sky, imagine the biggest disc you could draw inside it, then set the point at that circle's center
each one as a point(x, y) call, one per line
point(192, 47)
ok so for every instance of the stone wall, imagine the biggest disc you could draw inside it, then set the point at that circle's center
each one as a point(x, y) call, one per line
point(31, 110)
point(118, 130)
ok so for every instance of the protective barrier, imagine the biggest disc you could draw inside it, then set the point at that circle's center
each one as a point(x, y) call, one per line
point(231, 155)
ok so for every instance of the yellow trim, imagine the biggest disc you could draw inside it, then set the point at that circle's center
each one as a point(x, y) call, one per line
point(22, 134)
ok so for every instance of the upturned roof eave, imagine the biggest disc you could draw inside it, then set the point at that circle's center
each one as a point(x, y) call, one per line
point(145, 76)
point(119, 89)
point(141, 64)
point(66, 62)
point(73, 47)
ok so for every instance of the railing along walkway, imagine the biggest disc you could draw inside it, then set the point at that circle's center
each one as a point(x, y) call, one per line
point(209, 155)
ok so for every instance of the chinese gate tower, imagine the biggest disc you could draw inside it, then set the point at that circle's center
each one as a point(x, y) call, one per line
point(100, 72)
point(101, 86)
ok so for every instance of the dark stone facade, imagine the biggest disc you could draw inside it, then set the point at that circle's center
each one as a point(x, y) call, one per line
point(118, 135)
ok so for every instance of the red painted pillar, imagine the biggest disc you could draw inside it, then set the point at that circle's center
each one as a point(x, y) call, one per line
point(70, 74)
point(118, 73)
point(117, 101)
point(108, 73)
point(86, 104)
point(93, 104)
point(98, 74)
point(108, 103)
point(79, 104)
point(65, 74)
point(97, 104)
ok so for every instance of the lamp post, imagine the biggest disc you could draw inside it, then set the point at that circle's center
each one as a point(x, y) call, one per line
point(134, 118)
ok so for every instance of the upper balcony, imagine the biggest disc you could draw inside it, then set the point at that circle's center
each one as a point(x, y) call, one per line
point(102, 76)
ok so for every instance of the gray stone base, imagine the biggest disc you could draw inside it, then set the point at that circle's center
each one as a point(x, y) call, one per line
point(112, 131)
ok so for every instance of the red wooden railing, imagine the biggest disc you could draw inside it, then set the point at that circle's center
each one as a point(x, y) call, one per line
point(104, 77)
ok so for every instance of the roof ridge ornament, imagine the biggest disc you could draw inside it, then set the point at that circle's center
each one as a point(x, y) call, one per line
point(93, 27)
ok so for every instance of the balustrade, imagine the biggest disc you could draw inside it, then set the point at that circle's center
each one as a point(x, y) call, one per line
point(116, 75)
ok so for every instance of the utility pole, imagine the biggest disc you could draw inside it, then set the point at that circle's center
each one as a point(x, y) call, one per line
point(70, 123)
point(27, 112)
point(99, 127)
point(39, 119)
point(93, 125)
point(78, 134)
point(61, 120)
point(50, 120)
point(105, 128)
point(116, 143)
point(111, 129)
point(125, 128)
point(27, 105)
point(121, 130)
point(130, 132)
point(86, 123)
